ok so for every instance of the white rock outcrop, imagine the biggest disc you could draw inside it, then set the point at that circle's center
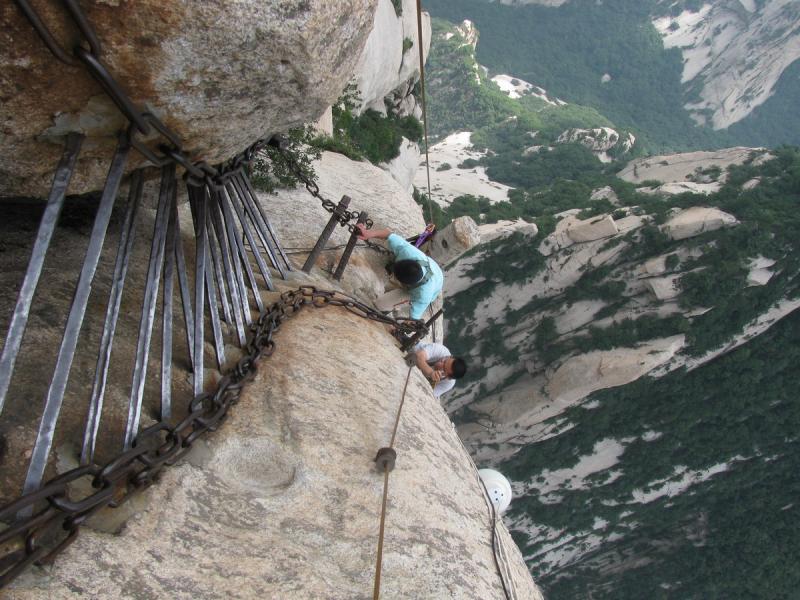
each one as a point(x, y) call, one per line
point(455, 239)
point(403, 168)
point(600, 140)
point(492, 231)
point(678, 168)
point(448, 181)
point(760, 271)
point(717, 43)
point(696, 220)
point(664, 288)
point(384, 65)
point(592, 229)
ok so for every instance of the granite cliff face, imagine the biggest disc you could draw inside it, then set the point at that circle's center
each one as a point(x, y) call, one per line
point(285, 498)
point(734, 52)
point(220, 75)
point(598, 346)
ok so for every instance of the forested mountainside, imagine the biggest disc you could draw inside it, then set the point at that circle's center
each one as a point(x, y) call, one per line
point(610, 56)
point(699, 498)
point(632, 366)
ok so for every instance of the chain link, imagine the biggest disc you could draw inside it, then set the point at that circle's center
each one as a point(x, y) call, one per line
point(56, 514)
point(345, 217)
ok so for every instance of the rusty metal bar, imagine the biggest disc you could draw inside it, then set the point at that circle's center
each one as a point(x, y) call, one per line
point(249, 187)
point(348, 250)
point(183, 283)
point(149, 304)
point(242, 214)
point(326, 233)
point(217, 268)
point(227, 263)
point(213, 309)
point(112, 315)
point(236, 263)
point(66, 353)
point(243, 260)
point(55, 202)
point(200, 198)
point(258, 222)
point(166, 306)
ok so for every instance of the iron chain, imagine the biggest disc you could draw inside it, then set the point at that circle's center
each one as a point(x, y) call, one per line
point(346, 218)
point(198, 173)
point(54, 525)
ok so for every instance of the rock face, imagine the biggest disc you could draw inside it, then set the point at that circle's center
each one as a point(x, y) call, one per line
point(285, 496)
point(387, 62)
point(239, 73)
point(581, 375)
point(565, 317)
point(448, 180)
point(600, 140)
point(455, 239)
point(695, 220)
point(717, 41)
point(404, 167)
point(688, 166)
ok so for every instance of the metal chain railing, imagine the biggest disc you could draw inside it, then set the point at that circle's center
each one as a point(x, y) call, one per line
point(346, 218)
point(57, 510)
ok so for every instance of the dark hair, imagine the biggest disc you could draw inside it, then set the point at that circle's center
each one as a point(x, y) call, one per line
point(459, 368)
point(407, 271)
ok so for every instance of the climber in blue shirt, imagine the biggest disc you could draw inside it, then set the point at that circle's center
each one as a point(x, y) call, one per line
point(421, 278)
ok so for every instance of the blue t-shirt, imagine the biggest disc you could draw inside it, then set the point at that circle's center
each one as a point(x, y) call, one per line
point(423, 295)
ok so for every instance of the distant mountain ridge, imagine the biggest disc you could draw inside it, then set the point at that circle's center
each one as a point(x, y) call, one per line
point(658, 68)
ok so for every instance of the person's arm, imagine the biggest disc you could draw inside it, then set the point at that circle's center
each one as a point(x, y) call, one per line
point(421, 358)
point(368, 234)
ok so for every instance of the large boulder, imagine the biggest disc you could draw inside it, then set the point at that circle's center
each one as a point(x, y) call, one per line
point(696, 220)
point(220, 74)
point(455, 239)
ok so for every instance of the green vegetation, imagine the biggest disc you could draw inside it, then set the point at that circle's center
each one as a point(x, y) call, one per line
point(734, 536)
point(273, 168)
point(371, 135)
point(408, 43)
point(568, 49)
point(461, 98)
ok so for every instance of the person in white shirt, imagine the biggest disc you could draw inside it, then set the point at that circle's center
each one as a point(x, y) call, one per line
point(439, 366)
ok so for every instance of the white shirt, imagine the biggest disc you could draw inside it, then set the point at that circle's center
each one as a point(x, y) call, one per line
point(435, 353)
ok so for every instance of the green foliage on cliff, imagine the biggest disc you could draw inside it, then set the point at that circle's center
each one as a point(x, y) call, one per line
point(567, 50)
point(370, 135)
point(735, 535)
point(462, 98)
point(273, 168)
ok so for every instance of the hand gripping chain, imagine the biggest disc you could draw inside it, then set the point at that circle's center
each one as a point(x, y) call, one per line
point(343, 216)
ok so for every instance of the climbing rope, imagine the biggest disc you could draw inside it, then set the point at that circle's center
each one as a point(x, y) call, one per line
point(493, 517)
point(56, 511)
point(424, 108)
point(385, 459)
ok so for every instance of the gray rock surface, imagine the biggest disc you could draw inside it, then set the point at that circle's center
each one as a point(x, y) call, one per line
point(384, 65)
point(222, 75)
point(455, 239)
point(284, 500)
